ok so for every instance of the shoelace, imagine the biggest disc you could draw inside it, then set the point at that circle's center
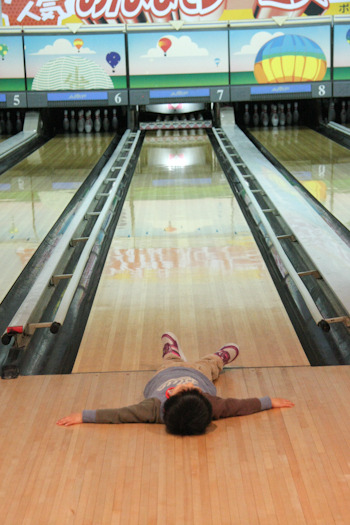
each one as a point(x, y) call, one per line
point(225, 356)
point(169, 348)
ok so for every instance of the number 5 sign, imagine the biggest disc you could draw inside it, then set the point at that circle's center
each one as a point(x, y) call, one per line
point(16, 100)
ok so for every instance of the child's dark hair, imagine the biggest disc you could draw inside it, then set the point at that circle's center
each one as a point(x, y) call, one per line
point(187, 413)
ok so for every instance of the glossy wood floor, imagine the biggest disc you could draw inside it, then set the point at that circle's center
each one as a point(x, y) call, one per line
point(183, 259)
point(321, 165)
point(34, 193)
point(273, 468)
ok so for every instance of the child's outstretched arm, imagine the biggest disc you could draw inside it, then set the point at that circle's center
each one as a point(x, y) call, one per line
point(231, 407)
point(147, 411)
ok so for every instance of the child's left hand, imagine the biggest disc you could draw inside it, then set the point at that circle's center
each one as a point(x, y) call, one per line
point(73, 419)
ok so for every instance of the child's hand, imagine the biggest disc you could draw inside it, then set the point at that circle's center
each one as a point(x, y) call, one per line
point(73, 419)
point(278, 402)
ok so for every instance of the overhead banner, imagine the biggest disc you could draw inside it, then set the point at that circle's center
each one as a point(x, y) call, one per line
point(192, 59)
point(64, 62)
point(61, 12)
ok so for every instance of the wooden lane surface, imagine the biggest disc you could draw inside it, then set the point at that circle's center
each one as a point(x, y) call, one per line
point(35, 192)
point(278, 467)
point(183, 259)
point(320, 164)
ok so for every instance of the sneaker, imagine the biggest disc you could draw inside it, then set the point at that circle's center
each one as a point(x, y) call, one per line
point(170, 344)
point(228, 353)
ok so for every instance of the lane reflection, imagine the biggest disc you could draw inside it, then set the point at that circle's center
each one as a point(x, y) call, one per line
point(180, 199)
point(35, 192)
point(319, 164)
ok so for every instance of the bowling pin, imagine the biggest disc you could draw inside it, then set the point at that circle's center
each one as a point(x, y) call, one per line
point(8, 123)
point(81, 121)
point(295, 113)
point(105, 123)
point(289, 116)
point(271, 112)
point(282, 116)
point(18, 122)
point(256, 115)
point(88, 122)
point(115, 120)
point(343, 113)
point(65, 120)
point(331, 112)
point(97, 123)
point(265, 117)
point(72, 122)
point(246, 116)
point(274, 116)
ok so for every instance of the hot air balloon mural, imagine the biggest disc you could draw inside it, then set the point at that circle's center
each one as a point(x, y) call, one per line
point(290, 58)
point(78, 43)
point(113, 59)
point(3, 51)
point(348, 36)
point(165, 44)
point(217, 61)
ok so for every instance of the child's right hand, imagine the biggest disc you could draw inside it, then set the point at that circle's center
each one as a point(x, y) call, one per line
point(73, 419)
point(278, 402)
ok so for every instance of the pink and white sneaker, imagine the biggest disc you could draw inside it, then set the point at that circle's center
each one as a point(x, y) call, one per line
point(228, 353)
point(171, 344)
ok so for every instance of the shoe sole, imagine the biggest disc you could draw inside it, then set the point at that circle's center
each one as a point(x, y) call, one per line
point(174, 339)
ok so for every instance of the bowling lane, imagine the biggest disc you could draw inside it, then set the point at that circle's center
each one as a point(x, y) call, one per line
point(183, 259)
point(318, 163)
point(35, 192)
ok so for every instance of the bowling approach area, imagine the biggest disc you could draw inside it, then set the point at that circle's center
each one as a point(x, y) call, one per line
point(288, 466)
point(183, 259)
